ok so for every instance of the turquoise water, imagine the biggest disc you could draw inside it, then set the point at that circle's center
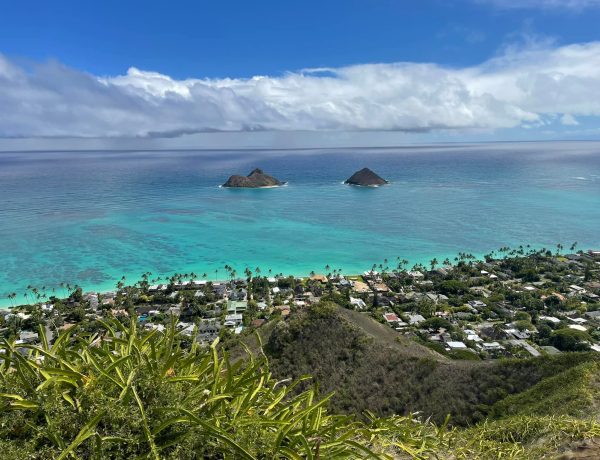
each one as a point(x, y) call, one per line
point(88, 218)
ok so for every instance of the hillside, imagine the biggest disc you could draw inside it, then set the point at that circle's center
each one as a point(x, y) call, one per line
point(371, 367)
point(126, 393)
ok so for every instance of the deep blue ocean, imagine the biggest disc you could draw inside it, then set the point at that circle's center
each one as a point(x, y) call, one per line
point(88, 218)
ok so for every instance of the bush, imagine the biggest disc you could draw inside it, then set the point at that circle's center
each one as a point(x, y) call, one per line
point(568, 339)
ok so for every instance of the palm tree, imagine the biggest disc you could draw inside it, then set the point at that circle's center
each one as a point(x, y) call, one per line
point(11, 297)
point(433, 263)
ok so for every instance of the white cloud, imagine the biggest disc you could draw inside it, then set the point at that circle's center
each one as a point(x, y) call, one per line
point(543, 4)
point(568, 120)
point(523, 87)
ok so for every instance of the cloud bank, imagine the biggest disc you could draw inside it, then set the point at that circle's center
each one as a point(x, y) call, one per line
point(526, 88)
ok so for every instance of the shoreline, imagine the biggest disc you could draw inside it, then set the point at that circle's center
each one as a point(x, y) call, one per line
point(131, 279)
point(302, 272)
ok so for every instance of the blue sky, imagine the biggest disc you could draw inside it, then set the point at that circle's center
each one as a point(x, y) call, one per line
point(242, 38)
point(185, 55)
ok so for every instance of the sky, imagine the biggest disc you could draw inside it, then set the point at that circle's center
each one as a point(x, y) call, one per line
point(349, 71)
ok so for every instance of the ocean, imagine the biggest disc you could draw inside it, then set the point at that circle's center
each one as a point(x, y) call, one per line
point(91, 217)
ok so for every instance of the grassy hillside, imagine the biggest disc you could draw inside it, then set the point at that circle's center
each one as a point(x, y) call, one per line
point(574, 392)
point(389, 374)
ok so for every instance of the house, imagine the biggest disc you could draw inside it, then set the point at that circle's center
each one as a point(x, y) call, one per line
point(319, 278)
point(343, 282)
point(358, 303)
point(188, 331)
point(489, 346)
point(472, 336)
point(523, 344)
point(391, 317)
point(479, 290)
point(372, 274)
point(28, 337)
point(219, 290)
point(415, 319)
point(236, 306)
point(90, 297)
point(517, 334)
point(455, 345)
point(416, 275)
point(240, 294)
point(578, 327)
point(156, 327)
point(552, 319)
point(284, 309)
point(593, 315)
point(233, 320)
point(360, 287)
point(208, 331)
point(381, 287)
point(258, 322)
point(477, 304)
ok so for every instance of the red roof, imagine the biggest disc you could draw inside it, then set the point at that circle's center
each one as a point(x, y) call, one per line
point(391, 317)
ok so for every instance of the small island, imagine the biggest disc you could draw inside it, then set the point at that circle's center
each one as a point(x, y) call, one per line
point(365, 178)
point(256, 179)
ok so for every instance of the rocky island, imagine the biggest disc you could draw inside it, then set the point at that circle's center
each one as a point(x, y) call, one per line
point(365, 178)
point(256, 179)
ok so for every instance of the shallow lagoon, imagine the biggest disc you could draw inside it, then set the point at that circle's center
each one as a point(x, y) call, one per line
point(91, 217)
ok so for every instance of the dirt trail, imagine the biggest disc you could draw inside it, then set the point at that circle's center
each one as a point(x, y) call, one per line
point(387, 336)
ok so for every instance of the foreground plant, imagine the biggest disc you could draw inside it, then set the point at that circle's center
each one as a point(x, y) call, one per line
point(125, 393)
